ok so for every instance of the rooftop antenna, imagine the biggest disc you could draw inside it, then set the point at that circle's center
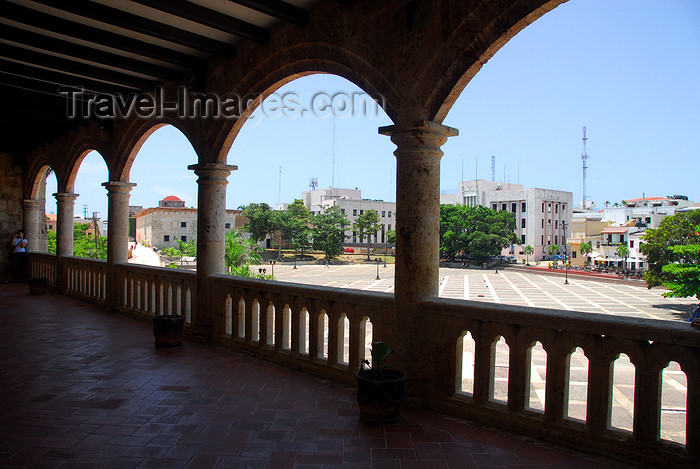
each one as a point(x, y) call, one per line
point(85, 211)
point(313, 183)
point(333, 151)
point(279, 188)
point(584, 159)
point(493, 168)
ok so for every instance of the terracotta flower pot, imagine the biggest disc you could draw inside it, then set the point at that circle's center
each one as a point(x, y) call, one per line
point(380, 397)
point(167, 330)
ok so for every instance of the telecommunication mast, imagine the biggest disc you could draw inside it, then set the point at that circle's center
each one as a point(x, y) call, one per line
point(584, 159)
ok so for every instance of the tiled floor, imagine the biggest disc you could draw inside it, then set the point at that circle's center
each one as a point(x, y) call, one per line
point(83, 388)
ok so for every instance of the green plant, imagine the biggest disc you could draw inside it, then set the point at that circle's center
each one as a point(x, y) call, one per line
point(380, 350)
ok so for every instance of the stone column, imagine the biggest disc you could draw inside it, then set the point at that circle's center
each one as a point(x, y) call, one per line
point(65, 203)
point(417, 243)
point(31, 219)
point(211, 232)
point(118, 220)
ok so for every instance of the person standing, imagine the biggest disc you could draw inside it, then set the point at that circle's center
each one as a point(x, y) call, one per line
point(17, 257)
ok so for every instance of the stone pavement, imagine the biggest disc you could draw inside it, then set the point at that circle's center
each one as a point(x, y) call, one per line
point(83, 388)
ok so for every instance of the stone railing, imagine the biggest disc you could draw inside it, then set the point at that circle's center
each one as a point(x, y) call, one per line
point(323, 330)
point(42, 265)
point(150, 291)
point(85, 278)
point(649, 344)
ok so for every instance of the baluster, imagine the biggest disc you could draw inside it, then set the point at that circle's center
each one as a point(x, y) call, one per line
point(599, 405)
point(557, 386)
point(647, 402)
point(334, 338)
point(315, 336)
point(484, 358)
point(519, 375)
point(297, 340)
point(356, 342)
point(692, 431)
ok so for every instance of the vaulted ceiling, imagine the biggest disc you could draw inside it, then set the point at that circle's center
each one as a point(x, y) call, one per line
point(114, 46)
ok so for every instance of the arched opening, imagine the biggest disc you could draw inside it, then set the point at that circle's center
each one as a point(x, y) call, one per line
point(465, 360)
point(538, 378)
point(344, 339)
point(228, 316)
point(241, 318)
point(166, 233)
point(623, 393)
point(499, 372)
point(366, 338)
point(578, 385)
point(674, 403)
point(287, 328)
point(313, 140)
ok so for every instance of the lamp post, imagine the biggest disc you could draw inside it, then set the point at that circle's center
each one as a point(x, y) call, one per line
point(566, 260)
point(385, 241)
point(272, 263)
point(377, 269)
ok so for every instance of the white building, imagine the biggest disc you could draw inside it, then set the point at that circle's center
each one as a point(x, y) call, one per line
point(541, 215)
point(352, 205)
point(647, 211)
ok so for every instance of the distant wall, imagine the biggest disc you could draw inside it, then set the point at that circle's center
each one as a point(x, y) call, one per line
point(10, 206)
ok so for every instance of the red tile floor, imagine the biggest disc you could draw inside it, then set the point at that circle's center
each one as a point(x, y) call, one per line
point(83, 388)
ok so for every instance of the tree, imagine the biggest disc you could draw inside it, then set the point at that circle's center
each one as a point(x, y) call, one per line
point(83, 244)
point(585, 249)
point(188, 248)
point(391, 236)
point(365, 225)
point(607, 203)
point(624, 252)
point(677, 230)
point(553, 249)
point(262, 220)
point(684, 275)
point(477, 232)
point(296, 225)
point(528, 250)
point(239, 253)
point(328, 231)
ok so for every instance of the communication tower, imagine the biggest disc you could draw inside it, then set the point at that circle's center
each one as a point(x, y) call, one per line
point(493, 168)
point(313, 183)
point(584, 159)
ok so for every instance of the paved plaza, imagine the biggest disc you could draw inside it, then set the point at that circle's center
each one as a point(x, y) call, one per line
point(519, 286)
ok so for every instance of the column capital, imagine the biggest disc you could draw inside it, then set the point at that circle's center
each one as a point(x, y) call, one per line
point(118, 187)
point(212, 171)
point(31, 204)
point(65, 196)
point(420, 126)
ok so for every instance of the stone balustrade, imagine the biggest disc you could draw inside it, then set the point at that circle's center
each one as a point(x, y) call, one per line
point(43, 265)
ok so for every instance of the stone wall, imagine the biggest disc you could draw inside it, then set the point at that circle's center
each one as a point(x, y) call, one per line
point(10, 206)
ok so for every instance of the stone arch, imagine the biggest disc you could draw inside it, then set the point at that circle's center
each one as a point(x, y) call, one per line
point(296, 62)
point(136, 135)
point(461, 56)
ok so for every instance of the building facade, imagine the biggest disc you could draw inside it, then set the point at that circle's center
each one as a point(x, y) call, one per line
point(163, 226)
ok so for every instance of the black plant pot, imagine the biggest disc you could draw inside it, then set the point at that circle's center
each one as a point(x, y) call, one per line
point(380, 398)
point(167, 330)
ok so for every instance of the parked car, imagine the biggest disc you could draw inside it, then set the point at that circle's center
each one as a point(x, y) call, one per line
point(349, 250)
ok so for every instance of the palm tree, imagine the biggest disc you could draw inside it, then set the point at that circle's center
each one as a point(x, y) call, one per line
point(585, 249)
point(527, 250)
point(607, 203)
point(553, 250)
point(624, 252)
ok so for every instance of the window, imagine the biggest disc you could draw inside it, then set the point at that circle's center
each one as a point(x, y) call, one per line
point(362, 212)
point(183, 224)
point(228, 225)
point(342, 210)
point(522, 225)
point(524, 206)
point(354, 212)
point(183, 239)
point(389, 213)
point(543, 223)
point(513, 207)
point(522, 240)
point(631, 243)
point(556, 224)
point(166, 238)
point(542, 207)
point(573, 254)
point(542, 240)
point(354, 237)
point(383, 213)
point(549, 223)
point(388, 227)
point(494, 206)
point(563, 208)
point(503, 207)
point(549, 208)
point(556, 208)
point(556, 240)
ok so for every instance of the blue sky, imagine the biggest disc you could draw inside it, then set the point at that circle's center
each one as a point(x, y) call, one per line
point(628, 70)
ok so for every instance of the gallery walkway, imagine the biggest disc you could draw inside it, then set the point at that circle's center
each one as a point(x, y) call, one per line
point(80, 388)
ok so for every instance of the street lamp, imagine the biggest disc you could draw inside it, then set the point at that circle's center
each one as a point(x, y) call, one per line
point(377, 268)
point(272, 263)
point(566, 263)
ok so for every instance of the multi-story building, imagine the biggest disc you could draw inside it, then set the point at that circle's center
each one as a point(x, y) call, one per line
point(171, 221)
point(647, 211)
point(352, 205)
point(542, 216)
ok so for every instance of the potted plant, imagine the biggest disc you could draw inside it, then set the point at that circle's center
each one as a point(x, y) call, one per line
point(167, 330)
point(380, 390)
